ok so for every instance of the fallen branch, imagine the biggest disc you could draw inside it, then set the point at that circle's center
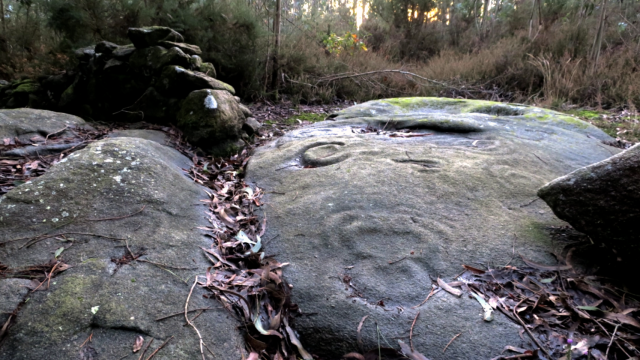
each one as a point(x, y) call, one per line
point(339, 77)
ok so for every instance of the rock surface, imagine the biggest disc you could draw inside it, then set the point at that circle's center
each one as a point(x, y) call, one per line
point(32, 126)
point(344, 202)
point(208, 118)
point(89, 197)
point(152, 35)
point(601, 200)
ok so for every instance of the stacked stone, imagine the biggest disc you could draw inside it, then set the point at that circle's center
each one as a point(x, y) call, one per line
point(158, 78)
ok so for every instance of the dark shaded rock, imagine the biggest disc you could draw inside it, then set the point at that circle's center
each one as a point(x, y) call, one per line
point(111, 178)
point(3, 83)
point(58, 83)
point(112, 64)
point(156, 57)
point(347, 204)
point(601, 200)
point(186, 48)
point(153, 107)
point(251, 126)
point(208, 69)
point(208, 117)
point(105, 47)
point(152, 35)
point(123, 52)
point(178, 82)
point(13, 292)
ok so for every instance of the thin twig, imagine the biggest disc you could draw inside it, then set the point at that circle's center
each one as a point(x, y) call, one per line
point(163, 265)
point(606, 355)
point(186, 306)
point(180, 313)
point(449, 343)
point(527, 329)
point(119, 217)
point(55, 133)
point(433, 292)
point(145, 349)
point(160, 347)
point(395, 261)
point(88, 339)
point(359, 334)
point(411, 331)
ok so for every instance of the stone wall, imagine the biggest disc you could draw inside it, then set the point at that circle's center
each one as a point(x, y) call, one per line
point(158, 78)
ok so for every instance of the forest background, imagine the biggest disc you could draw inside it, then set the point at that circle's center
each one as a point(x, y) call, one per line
point(556, 53)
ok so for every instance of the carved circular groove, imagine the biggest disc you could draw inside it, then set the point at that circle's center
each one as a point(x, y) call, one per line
point(324, 155)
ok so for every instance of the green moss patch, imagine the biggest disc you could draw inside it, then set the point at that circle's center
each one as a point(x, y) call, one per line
point(310, 117)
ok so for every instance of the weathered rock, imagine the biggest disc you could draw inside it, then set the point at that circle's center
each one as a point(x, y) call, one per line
point(156, 57)
point(13, 293)
point(85, 53)
point(116, 303)
point(208, 69)
point(186, 48)
point(25, 124)
point(123, 52)
point(209, 117)
point(105, 47)
point(152, 35)
point(176, 81)
point(343, 202)
point(195, 62)
point(245, 110)
point(601, 200)
point(251, 126)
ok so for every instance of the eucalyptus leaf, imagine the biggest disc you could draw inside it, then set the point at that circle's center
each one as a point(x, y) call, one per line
point(58, 252)
point(589, 308)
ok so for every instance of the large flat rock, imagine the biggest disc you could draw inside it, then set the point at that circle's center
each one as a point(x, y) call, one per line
point(32, 125)
point(343, 202)
point(93, 200)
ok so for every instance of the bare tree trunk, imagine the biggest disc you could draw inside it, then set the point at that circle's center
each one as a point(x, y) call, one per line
point(4, 26)
point(275, 78)
point(597, 41)
point(485, 10)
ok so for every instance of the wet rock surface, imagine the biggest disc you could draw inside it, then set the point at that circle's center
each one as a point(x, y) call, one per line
point(373, 206)
point(118, 197)
point(601, 200)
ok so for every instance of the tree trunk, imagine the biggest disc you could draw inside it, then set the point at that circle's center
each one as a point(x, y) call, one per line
point(275, 78)
point(485, 9)
point(597, 41)
point(4, 26)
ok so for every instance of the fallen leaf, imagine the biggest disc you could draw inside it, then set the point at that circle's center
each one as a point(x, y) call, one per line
point(138, 344)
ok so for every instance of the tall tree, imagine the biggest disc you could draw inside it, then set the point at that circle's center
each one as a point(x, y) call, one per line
point(275, 79)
